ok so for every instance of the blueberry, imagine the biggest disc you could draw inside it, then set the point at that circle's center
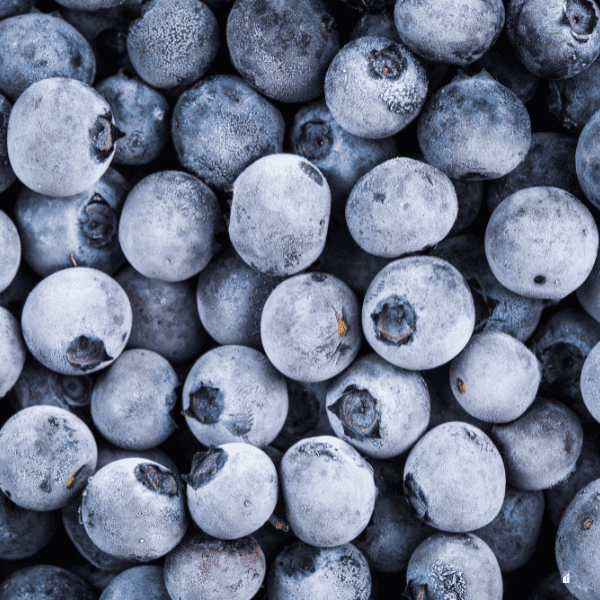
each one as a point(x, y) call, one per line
point(453, 566)
point(7, 175)
point(93, 5)
point(80, 230)
point(10, 8)
point(165, 318)
point(541, 447)
point(234, 394)
point(418, 313)
point(132, 400)
point(138, 583)
point(375, 87)
point(76, 321)
point(140, 112)
point(108, 453)
point(586, 162)
point(10, 251)
point(173, 43)
point(329, 476)
point(454, 478)
point(135, 509)
point(400, 207)
point(495, 378)
point(378, 408)
point(12, 351)
point(53, 49)
point(282, 49)
point(554, 39)
point(303, 571)
point(232, 490)
point(231, 569)
point(279, 214)
point(589, 382)
point(531, 237)
point(474, 128)
point(61, 137)
point(310, 327)
point(221, 125)
point(448, 32)
point(168, 225)
point(46, 456)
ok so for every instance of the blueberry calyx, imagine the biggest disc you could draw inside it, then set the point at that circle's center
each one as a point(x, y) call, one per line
point(387, 63)
point(315, 140)
point(71, 481)
point(205, 467)
point(415, 591)
point(279, 523)
point(561, 364)
point(394, 321)
point(299, 560)
point(104, 134)
point(76, 391)
point(581, 17)
point(158, 479)
point(99, 222)
point(318, 449)
point(206, 405)
point(328, 23)
point(417, 499)
point(357, 411)
point(86, 353)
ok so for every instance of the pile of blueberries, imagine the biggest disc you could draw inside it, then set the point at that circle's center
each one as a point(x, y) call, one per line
point(299, 300)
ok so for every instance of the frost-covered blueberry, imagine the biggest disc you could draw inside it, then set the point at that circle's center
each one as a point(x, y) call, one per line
point(135, 509)
point(46, 457)
point(303, 571)
point(80, 230)
point(173, 43)
point(378, 408)
point(375, 87)
point(282, 49)
point(7, 175)
point(61, 137)
point(474, 128)
point(587, 163)
point(10, 8)
point(454, 478)
point(10, 251)
point(310, 327)
point(541, 447)
point(400, 207)
point(94, 5)
point(279, 214)
point(532, 237)
point(418, 312)
point(138, 583)
point(495, 378)
point(453, 566)
point(328, 489)
point(234, 394)
point(448, 32)
point(232, 490)
point(76, 321)
point(12, 351)
point(168, 225)
point(140, 112)
point(221, 125)
point(590, 379)
point(555, 39)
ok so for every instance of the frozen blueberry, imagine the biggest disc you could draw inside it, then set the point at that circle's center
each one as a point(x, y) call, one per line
point(378, 408)
point(375, 87)
point(94, 5)
point(418, 312)
point(231, 296)
point(496, 377)
point(590, 375)
point(10, 251)
point(231, 490)
point(553, 588)
point(474, 128)
point(279, 214)
point(61, 137)
point(449, 32)
point(132, 400)
point(10, 8)
point(541, 447)
point(165, 318)
point(53, 48)
point(7, 175)
point(303, 571)
point(138, 583)
point(531, 238)
point(135, 509)
point(221, 125)
point(310, 327)
point(554, 39)
point(234, 394)
point(205, 568)
point(12, 351)
point(454, 478)
point(140, 112)
point(400, 207)
point(587, 164)
point(453, 566)
point(173, 43)
point(80, 230)
point(282, 49)
point(76, 321)
point(330, 478)
point(168, 225)
point(46, 457)
point(577, 543)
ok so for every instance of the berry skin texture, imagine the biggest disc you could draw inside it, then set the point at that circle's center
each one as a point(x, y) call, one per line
point(7, 175)
point(589, 384)
point(137, 583)
point(586, 160)
point(10, 251)
point(12, 351)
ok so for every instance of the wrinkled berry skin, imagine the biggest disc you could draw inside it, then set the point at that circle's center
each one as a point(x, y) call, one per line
point(375, 87)
point(138, 583)
point(554, 39)
point(10, 251)
point(7, 175)
point(474, 128)
point(282, 49)
point(12, 351)
point(587, 163)
point(448, 32)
